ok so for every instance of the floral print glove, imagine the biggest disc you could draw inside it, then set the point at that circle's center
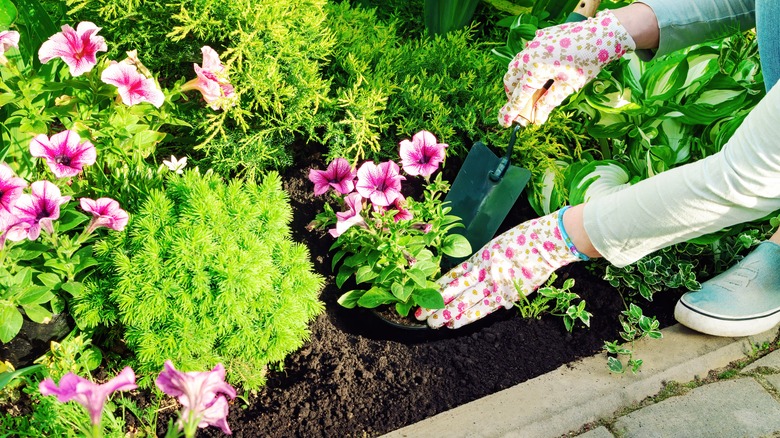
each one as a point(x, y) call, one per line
point(518, 261)
point(570, 54)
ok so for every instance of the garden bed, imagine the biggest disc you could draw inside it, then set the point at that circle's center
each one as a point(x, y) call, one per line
point(359, 377)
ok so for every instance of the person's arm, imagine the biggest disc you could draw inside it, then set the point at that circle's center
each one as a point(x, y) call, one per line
point(681, 23)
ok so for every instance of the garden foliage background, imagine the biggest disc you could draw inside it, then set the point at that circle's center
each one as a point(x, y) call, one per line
point(207, 261)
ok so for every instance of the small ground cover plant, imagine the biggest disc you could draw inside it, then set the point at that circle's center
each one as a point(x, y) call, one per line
point(393, 243)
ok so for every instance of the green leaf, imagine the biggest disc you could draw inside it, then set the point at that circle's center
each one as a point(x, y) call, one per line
point(33, 294)
point(398, 291)
point(456, 245)
point(7, 377)
point(365, 274)
point(70, 219)
point(664, 79)
point(350, 299)
point(8, 14)
point(49, 279)
point(92, 358)
point(615, 365)
point(344, 273)
point(355, 260)
point(74, 288)
point(11, 321)
point(37, 313)
point(375, 297)
point(403, 308)
point(418, 276)
point(336, 258)
point(428, 298)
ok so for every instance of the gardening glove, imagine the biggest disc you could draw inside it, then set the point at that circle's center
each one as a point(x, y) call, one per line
point(569, 55)
point(518, 261)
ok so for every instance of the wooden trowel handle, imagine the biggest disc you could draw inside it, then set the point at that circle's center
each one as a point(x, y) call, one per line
point(584, 9)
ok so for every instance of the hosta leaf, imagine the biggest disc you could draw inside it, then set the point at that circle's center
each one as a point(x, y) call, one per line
point(665, 78)
point(596, 179)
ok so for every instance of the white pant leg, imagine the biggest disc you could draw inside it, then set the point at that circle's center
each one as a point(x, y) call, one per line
point(741, 183)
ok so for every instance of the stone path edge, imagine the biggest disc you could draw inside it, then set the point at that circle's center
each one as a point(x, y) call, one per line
point(585, 391)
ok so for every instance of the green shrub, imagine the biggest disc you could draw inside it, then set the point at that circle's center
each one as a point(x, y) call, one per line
point(387, 87)
point(274, 50)
point(207, 272)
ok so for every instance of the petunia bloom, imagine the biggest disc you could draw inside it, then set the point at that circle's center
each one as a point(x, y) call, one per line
point(39, 208)
point(12, 228)
point(422, 155)
point(212, 81)
point(351, 217)
point(201, 394)
point(11, 187)
point(64, 152)
point(133, 87)
point(86, 393)
point(77, 48)
point(339, 175)
point(8, 39)
point(381, 184)
point(105, 213)
point(399, 206)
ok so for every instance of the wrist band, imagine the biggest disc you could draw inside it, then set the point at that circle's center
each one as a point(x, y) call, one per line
point(566, 240)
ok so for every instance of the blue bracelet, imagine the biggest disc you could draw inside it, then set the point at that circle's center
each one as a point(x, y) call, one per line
point(565, 235)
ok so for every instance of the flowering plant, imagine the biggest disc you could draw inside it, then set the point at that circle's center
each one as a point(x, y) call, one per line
point(392, 242)
point(203, 396)
point(43, 255)
point(73, 111)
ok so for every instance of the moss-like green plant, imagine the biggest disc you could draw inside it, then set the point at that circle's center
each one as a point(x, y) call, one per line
point(206, 273)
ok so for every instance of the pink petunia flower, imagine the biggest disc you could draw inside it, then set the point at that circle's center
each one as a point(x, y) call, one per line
point(212, 81)
point(8, 39)
point(381, 184)
point(86, 393)
point(201, 394)
point(399, 206)
point(77, 48)
point(133, 87)
point(422, 155)
point(40, 208)
point(105, 213)
point(11, 187)
point(350, 217)
point(12, 228)
point(339, 175)
point(65, 153)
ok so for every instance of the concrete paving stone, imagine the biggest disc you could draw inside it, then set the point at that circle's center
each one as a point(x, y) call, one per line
point(599, 432)
point(728, 409)
point(771, 360)
point(585, 391)
point(774, 380)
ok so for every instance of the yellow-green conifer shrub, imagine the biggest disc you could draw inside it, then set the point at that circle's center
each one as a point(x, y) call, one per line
point(207, 272)
point(274, 51)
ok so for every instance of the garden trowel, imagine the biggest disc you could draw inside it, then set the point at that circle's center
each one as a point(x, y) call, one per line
point(487, 186)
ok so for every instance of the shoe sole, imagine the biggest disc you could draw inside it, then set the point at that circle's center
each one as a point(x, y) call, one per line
point(720, 326)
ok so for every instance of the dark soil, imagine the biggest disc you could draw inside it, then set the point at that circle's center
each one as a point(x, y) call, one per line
point(358, 376)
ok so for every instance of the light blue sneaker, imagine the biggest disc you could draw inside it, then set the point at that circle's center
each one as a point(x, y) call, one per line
point(742, 301)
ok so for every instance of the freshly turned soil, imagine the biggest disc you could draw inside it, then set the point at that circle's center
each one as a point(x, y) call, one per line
point(358, 376)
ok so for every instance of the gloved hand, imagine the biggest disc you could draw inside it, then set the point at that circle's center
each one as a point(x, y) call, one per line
point(517, 261)
point(571, 54)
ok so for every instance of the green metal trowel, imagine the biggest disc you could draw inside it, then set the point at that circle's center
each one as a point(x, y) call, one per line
point(487, 186)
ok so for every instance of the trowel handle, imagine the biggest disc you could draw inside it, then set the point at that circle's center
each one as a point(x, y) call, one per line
point(584, 10)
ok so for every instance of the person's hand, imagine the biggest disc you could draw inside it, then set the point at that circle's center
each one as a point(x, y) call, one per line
point(517, 261)
point(569, 54)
